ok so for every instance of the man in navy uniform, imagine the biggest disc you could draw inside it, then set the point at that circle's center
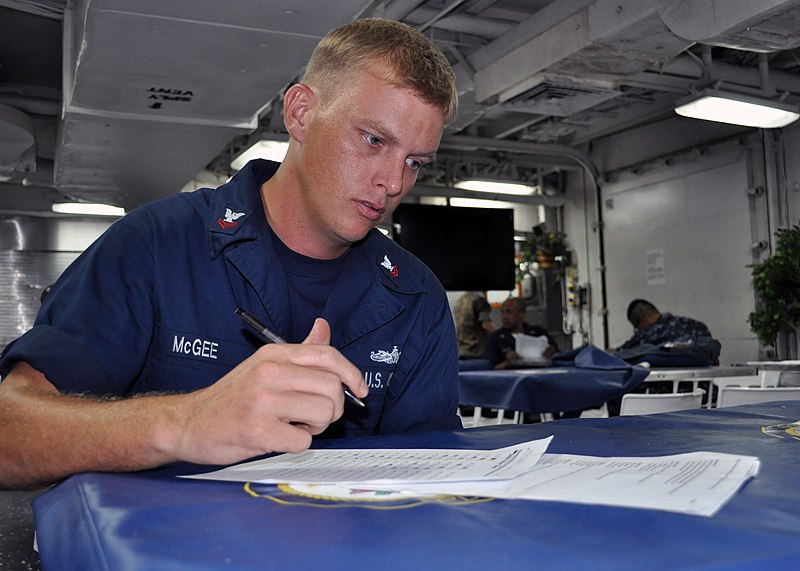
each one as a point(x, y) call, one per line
point(138, 358)
point(517, 342)
point(651, 327)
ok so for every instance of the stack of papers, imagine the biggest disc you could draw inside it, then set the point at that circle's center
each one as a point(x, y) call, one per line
point(697, 483)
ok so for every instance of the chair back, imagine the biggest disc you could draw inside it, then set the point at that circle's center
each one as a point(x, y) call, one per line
point(635, 403)
point(733, 396)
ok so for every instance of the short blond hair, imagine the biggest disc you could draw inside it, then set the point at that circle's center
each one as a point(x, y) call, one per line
point(409, 58)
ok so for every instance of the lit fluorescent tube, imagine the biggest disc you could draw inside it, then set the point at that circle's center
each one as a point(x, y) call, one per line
point(87, 208)
point(736, 109)
point(495, 187)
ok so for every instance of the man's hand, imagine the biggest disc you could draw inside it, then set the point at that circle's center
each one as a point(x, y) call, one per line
point(274, 401)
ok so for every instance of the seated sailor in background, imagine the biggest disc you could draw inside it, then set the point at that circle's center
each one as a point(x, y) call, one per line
point(472, 314)
point(518, 343)
point(659, 334)
point(665, 340)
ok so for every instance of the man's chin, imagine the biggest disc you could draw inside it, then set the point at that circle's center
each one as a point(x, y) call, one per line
point(355, 235)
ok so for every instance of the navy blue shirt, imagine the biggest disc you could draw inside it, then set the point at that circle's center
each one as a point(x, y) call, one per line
point(150, 307)
point(666, 328)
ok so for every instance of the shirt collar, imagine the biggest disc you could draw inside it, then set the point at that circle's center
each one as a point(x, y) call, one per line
point(236, 212)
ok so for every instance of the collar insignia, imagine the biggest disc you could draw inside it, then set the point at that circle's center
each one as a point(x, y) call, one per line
point(231, 221)
point(388, 267)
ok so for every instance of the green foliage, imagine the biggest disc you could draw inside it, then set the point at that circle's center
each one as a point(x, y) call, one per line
point(776, 281)
point(545, 250)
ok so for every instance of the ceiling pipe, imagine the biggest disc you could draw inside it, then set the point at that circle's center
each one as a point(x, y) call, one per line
point(440, 14)
point(460, 142)
point(685, 67)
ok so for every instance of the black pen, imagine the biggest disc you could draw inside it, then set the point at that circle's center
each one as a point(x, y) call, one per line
point(269, 336)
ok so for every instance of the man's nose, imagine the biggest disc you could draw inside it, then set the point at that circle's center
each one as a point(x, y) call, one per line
point(390, 176)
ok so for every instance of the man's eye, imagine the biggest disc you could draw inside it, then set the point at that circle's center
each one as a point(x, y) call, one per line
point(372, 139)
point(414, 164)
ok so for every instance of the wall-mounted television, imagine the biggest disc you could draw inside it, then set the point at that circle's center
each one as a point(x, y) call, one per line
point(467, 248)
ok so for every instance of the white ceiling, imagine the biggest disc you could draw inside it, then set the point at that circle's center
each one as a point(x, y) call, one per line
point(124, 102)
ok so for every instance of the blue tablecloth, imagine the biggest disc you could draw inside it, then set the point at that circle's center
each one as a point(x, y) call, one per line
point(474, 365)
point(584, 378)
point(152, 520)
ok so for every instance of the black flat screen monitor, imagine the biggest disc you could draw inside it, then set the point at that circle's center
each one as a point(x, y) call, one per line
point(467, 248)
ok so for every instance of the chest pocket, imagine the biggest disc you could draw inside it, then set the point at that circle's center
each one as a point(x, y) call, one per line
point(184, 360)
point(378, 364)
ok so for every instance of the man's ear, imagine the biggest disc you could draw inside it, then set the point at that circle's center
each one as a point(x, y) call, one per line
point(298, 103)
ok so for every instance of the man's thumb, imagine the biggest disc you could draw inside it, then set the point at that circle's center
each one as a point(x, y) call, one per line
point(320, 333)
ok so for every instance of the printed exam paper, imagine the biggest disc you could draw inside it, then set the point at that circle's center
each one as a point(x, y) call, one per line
point(696, 483)
point(388, 466)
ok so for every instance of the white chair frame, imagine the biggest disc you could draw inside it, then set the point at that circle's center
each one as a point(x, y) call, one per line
point(733, 396)
point(638, 403)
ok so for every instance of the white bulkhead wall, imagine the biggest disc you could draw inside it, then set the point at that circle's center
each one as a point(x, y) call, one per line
point(683, 231)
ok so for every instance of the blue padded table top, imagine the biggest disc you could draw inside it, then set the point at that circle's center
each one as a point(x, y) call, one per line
point(546, 390)
point(585, 377)
point(153, 520)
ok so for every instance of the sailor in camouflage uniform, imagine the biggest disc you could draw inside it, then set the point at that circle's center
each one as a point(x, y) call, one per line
point(472, 314)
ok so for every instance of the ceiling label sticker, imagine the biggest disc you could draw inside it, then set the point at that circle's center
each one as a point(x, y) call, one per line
point(156, 96)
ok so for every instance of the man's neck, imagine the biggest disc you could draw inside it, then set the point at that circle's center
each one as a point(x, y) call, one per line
point(285, 216)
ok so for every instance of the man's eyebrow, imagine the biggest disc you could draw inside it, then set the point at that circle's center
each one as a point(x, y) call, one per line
point(381, 131)
point(385, 135)
point(431, 156)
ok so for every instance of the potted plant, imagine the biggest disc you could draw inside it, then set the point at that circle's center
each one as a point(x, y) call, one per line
point(776, 281)
point(545, 250)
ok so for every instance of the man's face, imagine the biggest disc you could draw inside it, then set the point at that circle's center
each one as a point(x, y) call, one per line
point(645, 321)
point(511, 314)
point(360, 156)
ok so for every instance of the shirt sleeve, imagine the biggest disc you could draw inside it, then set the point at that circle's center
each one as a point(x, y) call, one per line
point(493, 351)
point(92, 332)
point(482, 309)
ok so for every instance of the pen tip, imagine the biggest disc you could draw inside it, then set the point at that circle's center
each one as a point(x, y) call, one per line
point(354, 398)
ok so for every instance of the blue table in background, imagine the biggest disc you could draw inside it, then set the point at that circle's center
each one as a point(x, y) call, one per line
point(474, 365)
point(585, 377)
point(152, 520)
point(553, 389)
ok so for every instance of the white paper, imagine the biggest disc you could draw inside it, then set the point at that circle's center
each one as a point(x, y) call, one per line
point(387, 466)
point(654, 262)
point(697, 483)
point(530, 347)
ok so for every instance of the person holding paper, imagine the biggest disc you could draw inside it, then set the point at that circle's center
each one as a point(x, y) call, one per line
point(516, 342)
point(138, 358)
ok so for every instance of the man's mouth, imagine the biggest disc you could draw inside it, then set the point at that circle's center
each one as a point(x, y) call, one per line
point(370, 210)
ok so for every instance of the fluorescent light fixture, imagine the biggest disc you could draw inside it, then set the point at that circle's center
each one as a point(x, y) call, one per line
point(87, 208)
point(263, 149)
point(487, 202)
point(495, 187)
point(737, 109)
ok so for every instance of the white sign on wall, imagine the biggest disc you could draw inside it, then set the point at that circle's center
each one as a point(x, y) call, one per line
point(654, 266)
